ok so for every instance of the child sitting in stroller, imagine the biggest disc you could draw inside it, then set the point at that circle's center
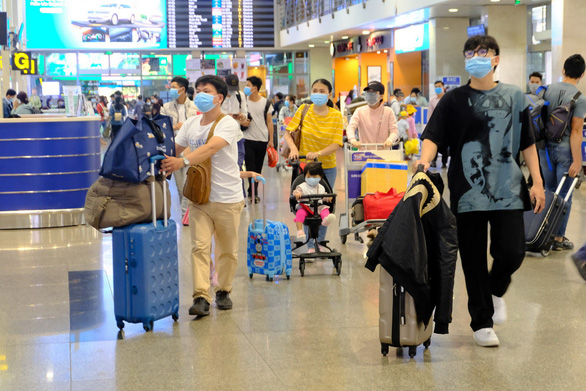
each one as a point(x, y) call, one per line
point(314, 173)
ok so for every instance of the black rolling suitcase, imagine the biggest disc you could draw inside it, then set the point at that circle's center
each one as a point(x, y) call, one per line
point(540, 228)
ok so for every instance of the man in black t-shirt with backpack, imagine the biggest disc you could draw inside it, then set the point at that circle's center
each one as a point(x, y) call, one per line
point(565, 155)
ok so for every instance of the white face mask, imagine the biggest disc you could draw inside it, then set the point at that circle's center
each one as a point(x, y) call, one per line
point(533, 87)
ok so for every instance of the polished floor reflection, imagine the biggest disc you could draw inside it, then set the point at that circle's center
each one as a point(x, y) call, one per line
point(58, 332)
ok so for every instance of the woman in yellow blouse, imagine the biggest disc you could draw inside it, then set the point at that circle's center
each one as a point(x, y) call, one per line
point(322, 134)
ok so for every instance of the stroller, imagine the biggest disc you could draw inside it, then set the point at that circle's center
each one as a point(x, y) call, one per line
point(314, 221)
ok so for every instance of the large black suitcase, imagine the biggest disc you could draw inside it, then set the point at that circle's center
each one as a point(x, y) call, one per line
point(540, 228)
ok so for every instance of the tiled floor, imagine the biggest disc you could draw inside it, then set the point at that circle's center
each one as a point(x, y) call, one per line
point(57, 327)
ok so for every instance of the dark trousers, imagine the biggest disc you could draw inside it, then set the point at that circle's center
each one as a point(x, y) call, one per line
point(115, 130)
point(254, 157)
point(507, 248)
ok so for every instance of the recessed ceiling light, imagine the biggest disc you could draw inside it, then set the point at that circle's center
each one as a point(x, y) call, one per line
point(446, 28)
point(366, 32)
point(345, 37)
point(378, 52)
point(495, 1)
point(453, 10)
point(389, 25)
point(311, 45)
point(326, 41)
point(386, 51)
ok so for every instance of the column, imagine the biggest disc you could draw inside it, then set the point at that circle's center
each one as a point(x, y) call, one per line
point(508, 25)
point(567, 34)
point(446, 43)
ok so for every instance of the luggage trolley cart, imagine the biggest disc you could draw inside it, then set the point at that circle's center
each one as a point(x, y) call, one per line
point(354, 160)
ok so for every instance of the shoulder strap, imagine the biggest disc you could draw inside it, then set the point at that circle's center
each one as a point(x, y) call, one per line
point(239, 98)
point(574, 99)
point(303, 113)
point(211, 133)
point(267, 106)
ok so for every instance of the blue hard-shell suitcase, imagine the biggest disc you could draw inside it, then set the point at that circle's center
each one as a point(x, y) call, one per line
point(146, 277)
point(268, 247)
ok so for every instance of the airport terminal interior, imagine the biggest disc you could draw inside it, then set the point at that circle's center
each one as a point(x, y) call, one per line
point(318, 329)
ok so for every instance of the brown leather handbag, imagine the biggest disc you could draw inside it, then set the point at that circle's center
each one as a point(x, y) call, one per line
point(199, 177)
point(295, 135)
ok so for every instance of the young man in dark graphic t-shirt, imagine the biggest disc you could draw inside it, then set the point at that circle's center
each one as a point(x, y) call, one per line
point(486, 125)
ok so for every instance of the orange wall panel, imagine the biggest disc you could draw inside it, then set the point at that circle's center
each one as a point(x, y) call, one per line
point(407, 71)
point(346, 74)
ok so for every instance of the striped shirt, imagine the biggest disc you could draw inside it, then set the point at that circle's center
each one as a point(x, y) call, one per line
point(318, 132)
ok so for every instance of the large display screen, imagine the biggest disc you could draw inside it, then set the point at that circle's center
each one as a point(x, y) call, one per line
point(413, 38)
point(221, 23)
point(96, 24)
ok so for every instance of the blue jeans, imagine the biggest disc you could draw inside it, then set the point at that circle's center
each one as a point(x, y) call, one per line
point(560, 157)
point(331, 174)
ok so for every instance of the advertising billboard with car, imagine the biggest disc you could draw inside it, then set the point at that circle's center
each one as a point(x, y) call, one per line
point(101, 24)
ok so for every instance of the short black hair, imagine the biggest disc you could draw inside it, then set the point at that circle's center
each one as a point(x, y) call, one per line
point(118, 92)
point(216, 81)
point(183, 82)
point(255, 81)
point(10, 92)
point(314, 169)
point(279, 95)
point(139, 97)
point(416, 90)
point(484, 41)
point(536, 74)
point(324, 82)
point(439, 81)
point(574, 66)
point(396, 91)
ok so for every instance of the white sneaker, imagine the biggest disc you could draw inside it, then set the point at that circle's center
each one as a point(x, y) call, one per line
point(301, 236)
point(329, 220)
point(500, 310)
point(486, 337)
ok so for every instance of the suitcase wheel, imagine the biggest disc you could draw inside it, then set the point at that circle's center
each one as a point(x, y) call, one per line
point(175, 317)
point(288, 276)
point(120, 324)
point(384, 349)
point(148, 326)
point(427, 343)
point(338, 265)
point(412, 351)
point(545, 252)
point(343, 238)
point(250, 275)
point(302, 267)
point(268, 278)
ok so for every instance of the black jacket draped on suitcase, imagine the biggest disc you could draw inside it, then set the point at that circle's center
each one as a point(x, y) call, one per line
point(418, 246)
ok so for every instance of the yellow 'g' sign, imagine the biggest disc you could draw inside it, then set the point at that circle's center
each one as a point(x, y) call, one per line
point(23, 62)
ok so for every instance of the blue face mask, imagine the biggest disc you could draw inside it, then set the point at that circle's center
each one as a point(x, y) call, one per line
point(247, 91)
point(479, 67)
point(204, 102)
point(173, 93)
point(286, 103)
point(439, 90)
point(312, 181)
point(319, 99)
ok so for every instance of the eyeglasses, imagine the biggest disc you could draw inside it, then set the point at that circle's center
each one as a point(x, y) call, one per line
point(482, 52)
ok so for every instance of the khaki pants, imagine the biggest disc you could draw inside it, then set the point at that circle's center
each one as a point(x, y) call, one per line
point(221, 221)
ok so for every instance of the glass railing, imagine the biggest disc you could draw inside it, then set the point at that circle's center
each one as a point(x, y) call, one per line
point(295, 12)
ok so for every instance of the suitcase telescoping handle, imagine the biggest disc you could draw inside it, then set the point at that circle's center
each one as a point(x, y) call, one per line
point(153, 159)
point(264, 203)
point(570, 190)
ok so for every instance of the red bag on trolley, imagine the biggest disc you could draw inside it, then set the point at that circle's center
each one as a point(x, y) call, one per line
point(273, 156)
point(380, 205)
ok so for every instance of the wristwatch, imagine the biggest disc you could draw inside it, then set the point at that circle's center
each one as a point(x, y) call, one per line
point(186, 162)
